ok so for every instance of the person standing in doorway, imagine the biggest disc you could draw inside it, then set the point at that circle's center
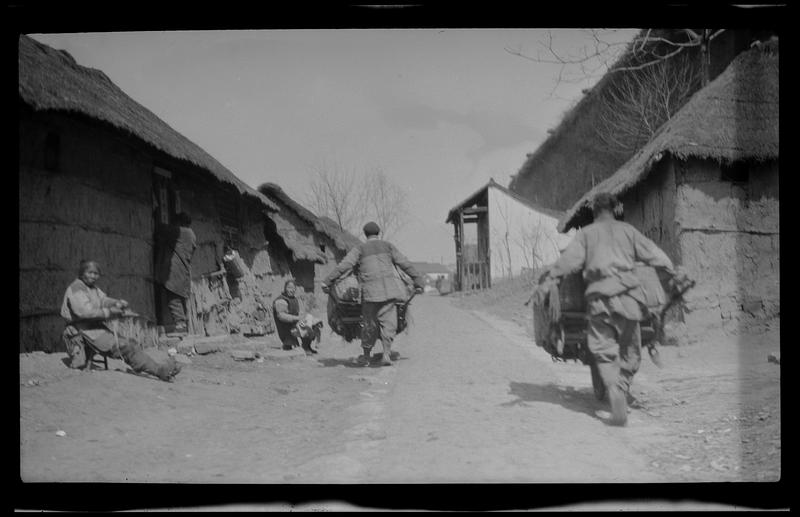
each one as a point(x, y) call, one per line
point(175, 248)
point(381, 288)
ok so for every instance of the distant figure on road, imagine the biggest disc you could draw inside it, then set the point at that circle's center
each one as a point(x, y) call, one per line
point(174, 249)
point(381, 288)
point(606, 251)
point(287, 310)
point(86, 309)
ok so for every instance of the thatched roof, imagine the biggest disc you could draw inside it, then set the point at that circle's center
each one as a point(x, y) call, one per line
point(300, 242)
point(735, 117)
point(480, 197)
point(51, 80)
point(343, 239)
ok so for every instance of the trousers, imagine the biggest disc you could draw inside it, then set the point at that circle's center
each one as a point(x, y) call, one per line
point(127, 350)
point(616, 344)
point(177, 308)
point(380, 321)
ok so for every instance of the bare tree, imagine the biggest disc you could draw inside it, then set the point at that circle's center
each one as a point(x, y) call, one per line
point(632, 108)
point(602, 52)
point(337, 193)
point(655, 73)
point(350, 198)
point(502, 230)
point(385, 202)
point(533, 240)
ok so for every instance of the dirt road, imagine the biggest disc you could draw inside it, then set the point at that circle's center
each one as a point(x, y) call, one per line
point(471, 399)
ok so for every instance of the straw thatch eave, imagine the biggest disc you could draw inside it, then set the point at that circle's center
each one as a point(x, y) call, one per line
point(735, 117)
point(51, 80)
point(342, 239)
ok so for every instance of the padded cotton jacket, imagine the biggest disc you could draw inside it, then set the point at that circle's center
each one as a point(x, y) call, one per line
point(376, 260)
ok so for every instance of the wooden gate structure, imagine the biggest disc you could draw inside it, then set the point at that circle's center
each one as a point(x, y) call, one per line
point(473, 268)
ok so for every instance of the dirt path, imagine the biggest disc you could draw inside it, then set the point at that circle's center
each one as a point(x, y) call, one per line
point(471, 400)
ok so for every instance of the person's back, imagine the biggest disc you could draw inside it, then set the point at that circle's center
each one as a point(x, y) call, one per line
point(607, 251)
point(381, 287)
point(376, 271)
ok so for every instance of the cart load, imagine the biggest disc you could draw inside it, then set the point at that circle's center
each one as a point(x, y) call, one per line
point(559, 311)
point(344, 305)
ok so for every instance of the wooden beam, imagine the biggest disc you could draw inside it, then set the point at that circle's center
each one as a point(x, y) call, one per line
point(475, 210)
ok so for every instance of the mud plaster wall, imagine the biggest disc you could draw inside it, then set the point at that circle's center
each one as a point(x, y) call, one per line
point(97, 204)
point(729, 239)
point(650, 207)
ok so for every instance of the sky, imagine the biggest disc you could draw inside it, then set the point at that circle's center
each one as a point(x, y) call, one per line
point(439, 111)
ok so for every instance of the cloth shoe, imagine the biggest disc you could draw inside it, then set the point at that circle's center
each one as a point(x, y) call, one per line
point(386, 360)
point(363, 359)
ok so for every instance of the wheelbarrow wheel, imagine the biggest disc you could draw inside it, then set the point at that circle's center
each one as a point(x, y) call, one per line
point(597, 381)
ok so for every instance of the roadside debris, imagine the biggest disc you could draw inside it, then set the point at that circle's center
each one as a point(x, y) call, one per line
point(774, 358)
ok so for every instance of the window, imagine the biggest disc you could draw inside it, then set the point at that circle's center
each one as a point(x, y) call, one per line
point(52, 151)
point(227, 205)
point(738, 172)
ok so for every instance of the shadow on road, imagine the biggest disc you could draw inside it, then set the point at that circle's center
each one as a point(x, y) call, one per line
point(581, 401)
point(374, 362)
point(331, 361)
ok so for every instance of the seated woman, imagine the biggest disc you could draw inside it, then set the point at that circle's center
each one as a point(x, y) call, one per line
point(86, 309)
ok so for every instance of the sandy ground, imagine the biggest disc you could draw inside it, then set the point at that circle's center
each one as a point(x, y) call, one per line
point(471, 399)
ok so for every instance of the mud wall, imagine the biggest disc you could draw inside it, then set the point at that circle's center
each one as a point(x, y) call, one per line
point(94, 202)
point(729, 237)
point(650, 207)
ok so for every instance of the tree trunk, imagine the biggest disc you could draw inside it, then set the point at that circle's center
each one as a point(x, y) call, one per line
point(705, 58)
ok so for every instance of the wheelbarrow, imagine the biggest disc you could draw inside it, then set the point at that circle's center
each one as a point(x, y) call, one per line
point(565, 339)
point(344, 312)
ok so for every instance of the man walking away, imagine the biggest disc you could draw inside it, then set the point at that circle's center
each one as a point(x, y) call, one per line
point(381, 288)
point(606, 251)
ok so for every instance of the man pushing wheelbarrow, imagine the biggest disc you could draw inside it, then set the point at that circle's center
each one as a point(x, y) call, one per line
point(382, 289)
point(615, 300)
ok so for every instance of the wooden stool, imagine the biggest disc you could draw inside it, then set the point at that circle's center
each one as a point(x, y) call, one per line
point(91, 357)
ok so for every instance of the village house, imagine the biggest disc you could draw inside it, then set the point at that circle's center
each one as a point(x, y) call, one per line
point(312, 245)
point(433, 274)
point(705, 189)
point(576, 156)
point(511, 234)
point(97, 173)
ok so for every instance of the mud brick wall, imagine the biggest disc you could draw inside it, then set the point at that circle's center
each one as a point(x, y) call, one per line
point(95, 204)
point(729, 240)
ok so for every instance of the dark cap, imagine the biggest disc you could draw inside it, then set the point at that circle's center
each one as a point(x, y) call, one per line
point(604, 201)
point(371, 228)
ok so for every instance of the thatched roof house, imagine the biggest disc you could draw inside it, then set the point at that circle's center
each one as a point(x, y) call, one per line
point(734, 118)
point(309, 238)
point(574, 158)
point(343, 239)
point(51, 80)
point(303, 225)
point(98, 172)
point(706, 189)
